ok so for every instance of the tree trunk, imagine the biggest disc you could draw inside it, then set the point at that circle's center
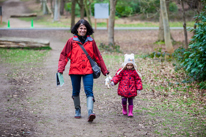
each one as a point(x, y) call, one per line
point(56, 11)
point(167, 36)
point(184, 24)
point(62, 7)
point(161, 29)
point(82, 6)
point(198, 12)
point(111, 22)
point(87, 12)
point(44, 7)
point(51, 6)
point(73, 13)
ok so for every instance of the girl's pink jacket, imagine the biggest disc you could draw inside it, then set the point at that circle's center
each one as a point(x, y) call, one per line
point(129, 83)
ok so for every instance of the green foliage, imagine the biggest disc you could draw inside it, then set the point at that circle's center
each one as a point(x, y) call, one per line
point(110, 48)
point(193, 59)
point(173, 7)
point(123, 9)
point(68, 8)
point(159, 54)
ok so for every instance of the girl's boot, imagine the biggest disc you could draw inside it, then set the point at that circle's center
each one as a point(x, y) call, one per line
point(130, 107)
point(91, 115)
point(124, 109)
point(77, 106)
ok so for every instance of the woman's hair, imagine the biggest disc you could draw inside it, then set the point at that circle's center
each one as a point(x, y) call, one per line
point(85, 23)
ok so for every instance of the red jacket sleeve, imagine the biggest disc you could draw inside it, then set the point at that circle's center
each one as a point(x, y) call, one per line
point(98, 58)
point(65, 56)
point(138, 82)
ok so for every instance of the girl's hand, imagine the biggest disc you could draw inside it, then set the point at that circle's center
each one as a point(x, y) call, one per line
point(112, 83)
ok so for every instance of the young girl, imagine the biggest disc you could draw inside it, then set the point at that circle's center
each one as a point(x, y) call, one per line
point(129, 82)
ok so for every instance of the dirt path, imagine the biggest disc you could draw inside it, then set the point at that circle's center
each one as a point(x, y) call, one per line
point(50, 110)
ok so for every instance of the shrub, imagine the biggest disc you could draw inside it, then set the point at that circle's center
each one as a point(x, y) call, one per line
point(193, 59)
point(173, 7)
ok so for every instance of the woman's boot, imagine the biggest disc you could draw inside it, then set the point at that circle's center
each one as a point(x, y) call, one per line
point(130, 107)
point(91, 115)
point(77, 106)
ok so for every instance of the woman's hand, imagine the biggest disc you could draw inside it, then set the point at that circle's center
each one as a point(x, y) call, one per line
point(107, 81)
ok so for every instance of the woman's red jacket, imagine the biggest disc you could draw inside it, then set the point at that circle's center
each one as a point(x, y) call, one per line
point(79, 63)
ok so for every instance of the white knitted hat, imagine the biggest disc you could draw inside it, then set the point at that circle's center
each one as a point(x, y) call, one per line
point(129, 58)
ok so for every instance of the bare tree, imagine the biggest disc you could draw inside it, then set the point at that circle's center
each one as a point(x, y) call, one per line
point(167, 36)
point(62, 7)
point(44, 7)
point(161, 28)
point(73, 13)
point(56, 10)
point(81, 5)
point(111, 22)
point(87, 4)
point(184, 24)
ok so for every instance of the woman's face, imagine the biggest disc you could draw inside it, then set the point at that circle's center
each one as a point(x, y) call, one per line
point(82, 30)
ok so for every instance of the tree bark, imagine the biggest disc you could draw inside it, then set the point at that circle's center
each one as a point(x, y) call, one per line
point(161, 29)
point(167, 36)
point(73, 13)
point(184, 24)
point(82, 5)
point(87, 11)
point(56, 11)
point(62, 7)
point(111, 22)
point(44, 7)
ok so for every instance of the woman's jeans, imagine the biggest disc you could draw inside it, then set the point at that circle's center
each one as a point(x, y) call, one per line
point(87, 81)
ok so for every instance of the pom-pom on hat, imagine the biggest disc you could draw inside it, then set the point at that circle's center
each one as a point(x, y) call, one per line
point(129, 58)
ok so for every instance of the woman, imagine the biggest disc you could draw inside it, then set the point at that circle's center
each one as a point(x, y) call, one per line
point(80, 66)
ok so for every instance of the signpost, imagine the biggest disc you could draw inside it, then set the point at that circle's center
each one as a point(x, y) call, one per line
point(101, 11)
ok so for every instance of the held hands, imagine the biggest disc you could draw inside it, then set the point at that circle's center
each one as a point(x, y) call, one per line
point(107, 81)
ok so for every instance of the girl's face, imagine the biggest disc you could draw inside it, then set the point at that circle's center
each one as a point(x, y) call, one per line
point(82, 30)
point(129, 66)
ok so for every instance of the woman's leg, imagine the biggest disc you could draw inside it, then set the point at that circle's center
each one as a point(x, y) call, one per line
point(88, 88)
point(124, 106)
point(76, 84)
point(88, 85)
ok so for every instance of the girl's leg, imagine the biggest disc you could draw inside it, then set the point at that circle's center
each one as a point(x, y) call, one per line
point(88, 88)
point(130, 107)
point(124, 106)
point(130, 101)
point(76, 84)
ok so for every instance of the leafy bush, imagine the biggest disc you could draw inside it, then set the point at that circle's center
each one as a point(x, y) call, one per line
point(193, 59)
point(173, 7)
